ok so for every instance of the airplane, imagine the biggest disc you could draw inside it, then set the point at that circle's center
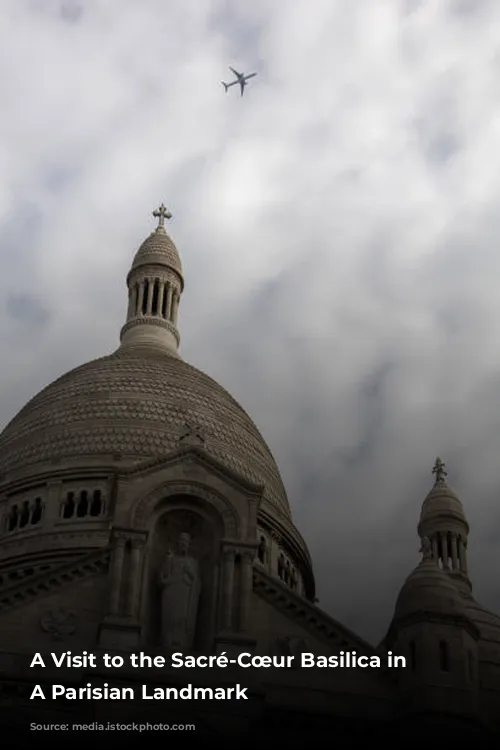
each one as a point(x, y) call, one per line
point(241, 78)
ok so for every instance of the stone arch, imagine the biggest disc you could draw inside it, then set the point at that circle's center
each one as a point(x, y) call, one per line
point(148, 508)
point(171, 510)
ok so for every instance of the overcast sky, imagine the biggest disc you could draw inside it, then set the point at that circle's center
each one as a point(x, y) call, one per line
point(339, 228)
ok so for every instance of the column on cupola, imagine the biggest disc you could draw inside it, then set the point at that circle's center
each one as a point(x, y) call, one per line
point(149, 302)
point(454, 552)
point(445, 553)
point(130, 308)
point(175, 307)
point(168, 309)
point(462, 554)
point(140, 300)
point(161, 296)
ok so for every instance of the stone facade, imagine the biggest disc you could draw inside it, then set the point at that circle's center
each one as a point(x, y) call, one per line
point(140, 509)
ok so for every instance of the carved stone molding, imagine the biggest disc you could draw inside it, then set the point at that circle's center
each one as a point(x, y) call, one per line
point(212, 465)
point(121, 536)
point(150, 320)
point(32, 542)
point(138, 543)
point(246, 550)
point(291, 646)
point(96, 563)
point(248, 556)
point(59, 623)
point(310, 617)
point(145, 508)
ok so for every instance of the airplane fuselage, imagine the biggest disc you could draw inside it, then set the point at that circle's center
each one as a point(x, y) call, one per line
point(241, 79)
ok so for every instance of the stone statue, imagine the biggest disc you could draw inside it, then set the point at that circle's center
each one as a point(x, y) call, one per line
point(426, 548)
point(181, 587)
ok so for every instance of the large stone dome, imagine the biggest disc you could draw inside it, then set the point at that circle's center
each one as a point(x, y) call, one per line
point(133, 404)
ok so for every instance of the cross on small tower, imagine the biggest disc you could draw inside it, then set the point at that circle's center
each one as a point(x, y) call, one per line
point(439, 471)
point(161, 214)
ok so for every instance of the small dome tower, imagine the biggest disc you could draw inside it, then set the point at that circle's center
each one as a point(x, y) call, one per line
point(155, 284)
point(443, 522)
point(431, 627)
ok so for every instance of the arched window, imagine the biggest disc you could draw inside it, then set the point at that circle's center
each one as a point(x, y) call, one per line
point(145, 297)
point(444, 660)
point(96, 504)
point(288, 572)
point(164, 301)
point(13, 518)
point(156, 293)
point(36, 515)
point(69, 506)
point(25, 515)
point(83, 504)
point(261, 551)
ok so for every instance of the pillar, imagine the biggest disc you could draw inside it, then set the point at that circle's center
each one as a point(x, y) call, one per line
point(161, 295)
point(141, 298)
point(175, 307)
point(228, 586)
point(135, 577)
point(444, 549)
point(435, 548)
point(149, 302)
point(168, 311)
point(116, 575)
point(464, 555)
point(247, 559)
point(454, 552)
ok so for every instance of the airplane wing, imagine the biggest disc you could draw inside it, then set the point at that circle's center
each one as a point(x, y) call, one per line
point(238, 75)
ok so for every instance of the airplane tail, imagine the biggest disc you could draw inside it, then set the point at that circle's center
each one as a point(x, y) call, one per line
point(226, 86)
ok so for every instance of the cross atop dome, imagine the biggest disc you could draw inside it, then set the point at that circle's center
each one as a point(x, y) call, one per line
point(440, 471)
point(161, 214)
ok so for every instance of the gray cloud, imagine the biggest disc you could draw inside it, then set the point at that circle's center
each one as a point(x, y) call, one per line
point(338, 229)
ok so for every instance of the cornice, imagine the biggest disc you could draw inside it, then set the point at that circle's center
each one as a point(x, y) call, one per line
point(313, 619)
point(199, 455)
point(27, 590)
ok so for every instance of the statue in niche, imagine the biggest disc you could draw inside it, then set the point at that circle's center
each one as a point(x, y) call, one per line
point(181, 587)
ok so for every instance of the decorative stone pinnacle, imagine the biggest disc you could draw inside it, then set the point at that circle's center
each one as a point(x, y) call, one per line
point(440, 471)
point(161, 214)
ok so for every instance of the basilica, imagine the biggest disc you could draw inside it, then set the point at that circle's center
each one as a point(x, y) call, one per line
point(141, 512)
